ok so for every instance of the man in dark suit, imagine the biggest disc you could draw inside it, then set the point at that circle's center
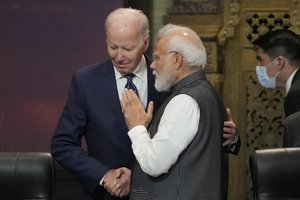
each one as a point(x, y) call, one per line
point(93, 109)
point(278, 53)
point(291, 137)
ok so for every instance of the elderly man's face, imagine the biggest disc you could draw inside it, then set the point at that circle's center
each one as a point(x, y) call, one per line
point(125, 47)
point(163, 66)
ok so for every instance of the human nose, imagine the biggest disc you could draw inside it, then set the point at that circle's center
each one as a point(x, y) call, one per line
point(152, 66)
point(120, 54)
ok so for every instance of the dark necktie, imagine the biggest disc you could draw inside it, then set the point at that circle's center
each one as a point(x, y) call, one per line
point(130, 85)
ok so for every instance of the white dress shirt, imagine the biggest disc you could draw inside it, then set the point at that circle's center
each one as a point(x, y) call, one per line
point(177, 128)
point(140, 81)
point(289, 81)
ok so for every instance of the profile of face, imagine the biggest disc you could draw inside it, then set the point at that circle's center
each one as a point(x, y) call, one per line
point(266, 70)
point(163, 66)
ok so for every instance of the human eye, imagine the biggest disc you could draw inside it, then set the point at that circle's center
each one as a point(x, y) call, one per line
point(155, 57)
point(113, 47)
point(128, 49)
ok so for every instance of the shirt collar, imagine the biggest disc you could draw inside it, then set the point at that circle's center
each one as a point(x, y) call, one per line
point(289, 81)
point(139, 72)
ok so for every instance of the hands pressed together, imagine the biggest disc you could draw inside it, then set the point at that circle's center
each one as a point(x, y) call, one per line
point(117, 182)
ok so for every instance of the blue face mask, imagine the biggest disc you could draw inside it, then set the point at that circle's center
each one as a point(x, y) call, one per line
point(264, 79)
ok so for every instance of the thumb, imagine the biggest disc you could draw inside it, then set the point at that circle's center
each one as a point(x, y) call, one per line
point(118, 172)
point(125, 170)
point(229, 116)
point(149, 113)
point(150, 109)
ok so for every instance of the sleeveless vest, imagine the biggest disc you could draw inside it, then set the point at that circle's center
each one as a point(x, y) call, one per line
point(201, 171)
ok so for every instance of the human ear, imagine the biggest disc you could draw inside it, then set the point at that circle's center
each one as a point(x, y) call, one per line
point(178, 60)
point(146, 43)
point(280, 62)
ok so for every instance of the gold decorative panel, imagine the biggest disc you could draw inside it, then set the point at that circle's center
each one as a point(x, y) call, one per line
point(260, 22)
point(211, 52)
point(195, 7)
point(231, 20)
point(265, 115)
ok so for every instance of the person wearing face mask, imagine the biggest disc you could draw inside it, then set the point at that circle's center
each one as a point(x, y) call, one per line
point(278, 53)
point(264, 79)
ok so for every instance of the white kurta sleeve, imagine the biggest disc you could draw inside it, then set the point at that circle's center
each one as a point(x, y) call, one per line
point(177, 128)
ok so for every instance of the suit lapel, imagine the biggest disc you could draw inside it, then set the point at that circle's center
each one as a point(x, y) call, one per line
point(111, 92)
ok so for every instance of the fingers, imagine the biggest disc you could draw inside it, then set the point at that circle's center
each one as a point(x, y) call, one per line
point(117, 182)
point(118, 172)
point(120, 188)
point(125, 99)
point(116, 190)
point(229, 130)
point(226, 142)
point(133, 110)
point(149, 113)
point(129, 97)
point(150, 108)
point(125, 170)
point(113, 188)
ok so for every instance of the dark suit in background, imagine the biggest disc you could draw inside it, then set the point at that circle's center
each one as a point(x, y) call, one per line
point(292, 100)
point(93, 111)
point(291, 137)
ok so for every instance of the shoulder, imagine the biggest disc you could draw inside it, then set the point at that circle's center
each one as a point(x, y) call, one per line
point(293, 118)
point(183, 100)
point(94, 68)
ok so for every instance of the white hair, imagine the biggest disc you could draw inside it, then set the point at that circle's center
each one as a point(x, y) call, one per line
point(129, 15)
point(186, 42)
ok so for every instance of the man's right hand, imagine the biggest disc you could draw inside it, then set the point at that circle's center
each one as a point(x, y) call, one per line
point(117, 182)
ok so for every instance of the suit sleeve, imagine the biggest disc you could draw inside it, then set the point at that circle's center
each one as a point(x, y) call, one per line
point(66, 143)
point(234, 148)
point(293, 103)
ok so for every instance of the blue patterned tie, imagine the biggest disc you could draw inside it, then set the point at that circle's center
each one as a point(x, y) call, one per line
point(130, 85)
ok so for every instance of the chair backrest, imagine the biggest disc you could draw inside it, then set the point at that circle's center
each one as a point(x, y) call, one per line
point(26, 176)
point(275, 174)
point(67, 187)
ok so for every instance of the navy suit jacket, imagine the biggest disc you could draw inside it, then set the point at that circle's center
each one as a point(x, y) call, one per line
point(93, 111)
point(292, 99)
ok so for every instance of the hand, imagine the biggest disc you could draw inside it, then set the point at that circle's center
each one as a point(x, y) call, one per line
point(229, 130)
point(117, 182)
point(133, 110)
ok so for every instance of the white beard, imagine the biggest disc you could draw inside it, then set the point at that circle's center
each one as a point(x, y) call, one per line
point(164, 81)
